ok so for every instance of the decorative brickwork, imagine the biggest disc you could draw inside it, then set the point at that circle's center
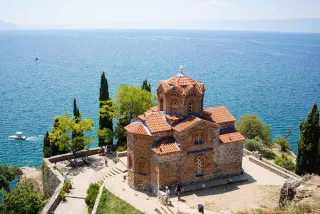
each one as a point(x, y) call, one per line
point(180, 141)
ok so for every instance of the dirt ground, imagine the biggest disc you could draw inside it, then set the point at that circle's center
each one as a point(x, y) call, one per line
point(33, 174)
point(224, 198)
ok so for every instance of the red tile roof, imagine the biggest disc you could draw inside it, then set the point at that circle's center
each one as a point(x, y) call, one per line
point(189, 121)
point(136, 128)
point(157, 123)
point(166, 148)
point(219, 114)
point(231, 137)
point(181, 82)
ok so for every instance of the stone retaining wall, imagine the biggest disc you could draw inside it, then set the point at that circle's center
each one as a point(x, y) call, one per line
point(277, 171)
point(121, 154)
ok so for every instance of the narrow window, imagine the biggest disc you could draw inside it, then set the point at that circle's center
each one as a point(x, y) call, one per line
point(198, 139)
point(190, 107)
point(199, 162)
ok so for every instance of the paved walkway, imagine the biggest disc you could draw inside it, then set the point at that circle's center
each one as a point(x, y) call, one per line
point(82, 177)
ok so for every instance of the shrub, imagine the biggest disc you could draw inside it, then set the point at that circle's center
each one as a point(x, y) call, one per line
point(285, 162)
point(121, 148)
point(91, 197)
point(283, 143)
point(116, 160)
point(255, 144)
point(268, 154)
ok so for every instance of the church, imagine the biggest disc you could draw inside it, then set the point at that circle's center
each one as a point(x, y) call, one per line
point(180, 140)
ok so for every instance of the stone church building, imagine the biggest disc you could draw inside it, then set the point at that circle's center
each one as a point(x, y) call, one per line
point(181, 141)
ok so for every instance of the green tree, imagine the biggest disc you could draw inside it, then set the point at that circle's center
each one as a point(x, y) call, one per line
point(22, 199)
point(146, 86)
point(282, 142)
point(77, 119)
point(8, 174)
point(254, 144)
point(285, 162)
point(105, 120)
point(130, 101)
point(251, 126)
point(47, 150)
point(308, 144)
point(62, 134)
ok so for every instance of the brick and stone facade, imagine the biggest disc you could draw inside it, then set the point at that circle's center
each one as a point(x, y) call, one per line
point(181, 141)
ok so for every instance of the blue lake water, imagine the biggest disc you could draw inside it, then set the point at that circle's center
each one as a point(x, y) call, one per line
point(274, 75)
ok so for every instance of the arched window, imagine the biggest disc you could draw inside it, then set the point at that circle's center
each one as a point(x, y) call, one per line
point(174, 106)
point(199, 165)
point(142, 166)
point(161, 104)
point(198, 138)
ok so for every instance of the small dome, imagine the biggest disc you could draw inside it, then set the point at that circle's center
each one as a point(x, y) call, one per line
point(182, 80)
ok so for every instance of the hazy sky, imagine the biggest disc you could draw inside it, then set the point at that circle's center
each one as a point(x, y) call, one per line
point(106, 13)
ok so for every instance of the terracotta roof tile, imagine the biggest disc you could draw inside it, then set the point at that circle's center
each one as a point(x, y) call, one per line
point(189, 121)
point(172, 117)
point(147, 113)
point(181, 82)
point(137, 128)
point(166, 147)
point(219, 114)
point(231, 137)
point(157, 123)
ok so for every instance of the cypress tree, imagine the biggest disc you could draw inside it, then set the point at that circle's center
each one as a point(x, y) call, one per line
point(146, 86)
point(77, 118)
point(104, 122)
point(46, 146)
point(308, 145)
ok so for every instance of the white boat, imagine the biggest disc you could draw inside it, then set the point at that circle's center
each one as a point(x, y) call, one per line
point(18, 136)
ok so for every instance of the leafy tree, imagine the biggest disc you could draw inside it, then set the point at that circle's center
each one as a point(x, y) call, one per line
point(146, 86)
point(22, 199)
point(8, 174)
point(283, 143)
point(105, 120)
point(285, 162)
point(130, 101)
point(47, 150)
point(251, 126)
point(77, 118)
point(308, 144)
point(62, 135)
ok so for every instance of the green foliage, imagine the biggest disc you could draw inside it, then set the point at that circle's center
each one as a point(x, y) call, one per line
point(110, 203)
point(105, 136)
point(146, 86)
point(121, 148)
point(130, 101)
point(255, 144)
point(67, 185)
point(116, 160)
point(308, 159)
point(251, 126)
point(62, 134)
point(285, 162)
point(8, 174)
point(22, 199)
point(268, 154)
point(106, 111)
point(283, 143)
point(91, 197)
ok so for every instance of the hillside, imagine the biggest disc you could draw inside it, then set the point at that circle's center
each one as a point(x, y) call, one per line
point(7, 26)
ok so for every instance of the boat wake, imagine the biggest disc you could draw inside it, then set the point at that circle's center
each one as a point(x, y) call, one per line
point(35, 138)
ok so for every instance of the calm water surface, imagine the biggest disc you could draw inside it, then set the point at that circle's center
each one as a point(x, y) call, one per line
point(274, 75)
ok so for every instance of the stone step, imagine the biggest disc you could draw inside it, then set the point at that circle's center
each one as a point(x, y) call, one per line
point(121, 167)
point(114, 169)
point(164, 210)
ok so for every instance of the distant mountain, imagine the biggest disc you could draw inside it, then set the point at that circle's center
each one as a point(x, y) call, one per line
point(8, 26)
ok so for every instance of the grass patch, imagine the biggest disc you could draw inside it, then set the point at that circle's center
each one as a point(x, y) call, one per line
point(111, 204)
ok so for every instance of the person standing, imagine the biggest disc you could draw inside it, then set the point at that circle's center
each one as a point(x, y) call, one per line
point(178, 190)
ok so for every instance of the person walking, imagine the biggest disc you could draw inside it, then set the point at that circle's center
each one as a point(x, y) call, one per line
point(106, 160)
point(178, 190)
point(167, 195)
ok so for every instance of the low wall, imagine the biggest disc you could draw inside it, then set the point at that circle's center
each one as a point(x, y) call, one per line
point(279, 171)
point(52, 185)
point(121, 154)
point(67, 156)
point(96, 203)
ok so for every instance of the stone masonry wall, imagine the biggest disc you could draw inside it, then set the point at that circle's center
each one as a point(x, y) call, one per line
point(51, 179)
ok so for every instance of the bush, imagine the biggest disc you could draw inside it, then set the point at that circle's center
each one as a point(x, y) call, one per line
point(116, 160)
point(268, 154)
point(121, 148)
point(91, 197)
point(285, 162)
point(283, 143)
point(255, 144)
